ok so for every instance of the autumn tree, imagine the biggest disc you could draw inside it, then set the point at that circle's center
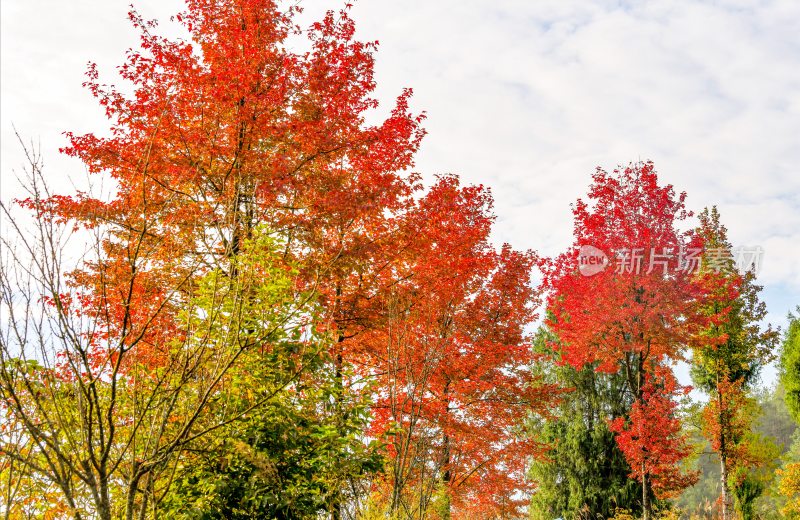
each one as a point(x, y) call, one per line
point(730, 347)
point(632, 312)
point(651, 436)
point(229, 131)
point(288, 455)
point(103, 405)
point(229, 134)
point(458, 384)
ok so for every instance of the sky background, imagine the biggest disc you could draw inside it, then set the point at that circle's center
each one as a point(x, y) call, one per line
point(527, 97)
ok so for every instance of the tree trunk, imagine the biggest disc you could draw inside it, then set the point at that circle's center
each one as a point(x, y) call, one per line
point(645, 495)
point(341, 415)
point(723, 466)
point(447, 475)
point(639, 397)
point(723, 454)
point(103, 511)
point(133, 487)
point(336, 506)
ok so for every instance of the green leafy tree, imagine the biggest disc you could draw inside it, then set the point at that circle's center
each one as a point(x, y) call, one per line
point(749, 481)
point(789, 482)
point(289, 460)
point(790, 365)
point(293, 450)
point(731, 347)
point(584, 475)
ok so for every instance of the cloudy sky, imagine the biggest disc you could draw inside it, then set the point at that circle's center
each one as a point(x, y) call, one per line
point(527, 97)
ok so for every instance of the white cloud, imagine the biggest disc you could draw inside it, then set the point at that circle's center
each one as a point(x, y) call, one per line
point(527, 97)
point(530, 96)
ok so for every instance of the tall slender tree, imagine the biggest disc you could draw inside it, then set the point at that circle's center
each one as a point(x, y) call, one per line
point(730, 347)
point(790, 365)
point(790, 378)
point(459, 384)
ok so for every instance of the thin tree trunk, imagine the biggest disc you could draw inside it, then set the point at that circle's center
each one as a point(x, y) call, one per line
point(726, 499)
point(130, 503)
point(645, 495)
point(723, 460)
point(446, 478)
point(447, 475)
point(336, 505)
point(645, 484)
point(148, 491)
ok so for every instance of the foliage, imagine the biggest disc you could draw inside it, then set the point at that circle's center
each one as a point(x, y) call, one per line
point(730, 348)
point(775, 420)
point(651, 438)
point(636, 314)
point(790, 365)
point(790, 379)
point(274, 318)
point(584, 474)
point(96, 417)
point(625, 514)
point(230, 134)
point(752, 477)
point(457, 385)
point(770, 435)
point(287, 460)
point(634, 310)
point(732, 344)
point(790, 488)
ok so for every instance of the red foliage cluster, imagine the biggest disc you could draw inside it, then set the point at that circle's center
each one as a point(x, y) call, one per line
point(617, 312)
point(651, 438)
point(459, 381)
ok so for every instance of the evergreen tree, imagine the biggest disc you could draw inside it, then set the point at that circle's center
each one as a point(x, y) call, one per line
point(585, 474)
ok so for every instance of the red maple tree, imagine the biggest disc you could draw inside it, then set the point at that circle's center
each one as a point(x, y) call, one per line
point(457, 357)
point(635, 313)
point(230, 131)
point(226, 135)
